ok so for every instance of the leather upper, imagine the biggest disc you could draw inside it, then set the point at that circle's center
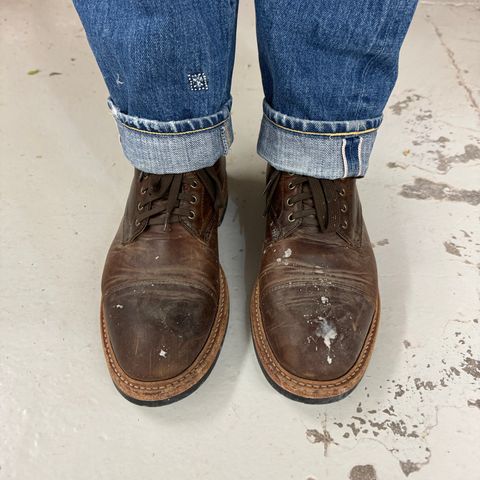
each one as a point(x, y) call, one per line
point(161, 277)
point(318, 278)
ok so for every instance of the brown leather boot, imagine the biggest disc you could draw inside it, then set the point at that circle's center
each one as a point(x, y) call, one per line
point(164, 296)
point(315, 307)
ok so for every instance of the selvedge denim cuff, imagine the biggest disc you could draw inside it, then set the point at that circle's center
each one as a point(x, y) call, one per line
point(318, 149)
point(174, 147)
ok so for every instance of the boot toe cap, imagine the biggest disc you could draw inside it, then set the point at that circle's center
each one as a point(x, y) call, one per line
point(158, 330)
point(316, 335)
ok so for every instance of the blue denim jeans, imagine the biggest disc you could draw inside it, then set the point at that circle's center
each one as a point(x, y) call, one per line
point(328, 68)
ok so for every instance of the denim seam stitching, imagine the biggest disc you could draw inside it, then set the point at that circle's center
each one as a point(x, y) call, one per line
point(360, 160)
point(173, 133)
point(321, 134)
point(344, 158)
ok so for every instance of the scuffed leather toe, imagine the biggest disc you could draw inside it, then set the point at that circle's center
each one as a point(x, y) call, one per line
point(315, 306)
point(316, 333)
point(158, 330)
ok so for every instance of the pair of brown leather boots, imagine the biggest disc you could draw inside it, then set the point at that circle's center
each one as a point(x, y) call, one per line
point(315, 306)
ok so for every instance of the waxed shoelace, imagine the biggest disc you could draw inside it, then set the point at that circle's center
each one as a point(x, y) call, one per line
point(163, 198)
point(316, 209)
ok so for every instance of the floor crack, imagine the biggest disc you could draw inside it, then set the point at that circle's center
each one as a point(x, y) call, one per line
point(458, 71)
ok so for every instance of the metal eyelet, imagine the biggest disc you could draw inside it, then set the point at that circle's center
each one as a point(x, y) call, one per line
point(145, 176)
point(291, 186)
point(290, 218)
point(194, 200)
point(342, 192)
point(191, 214)
point(143, 191)
point(137, 222)
point(140, 206)
point(345, 224)
point(194, 184)
point(290, 174)
point(289, 202)
point(344, 208)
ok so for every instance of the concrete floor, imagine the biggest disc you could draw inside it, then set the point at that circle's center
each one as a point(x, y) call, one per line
point(63, 186)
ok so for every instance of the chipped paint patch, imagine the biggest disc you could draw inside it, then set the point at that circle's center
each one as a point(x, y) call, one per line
point(433, 153)
point(474, 403)
point(409, 467)
point(423, 189)
point(444, 162)
point(324, 437)
point(396, 165)
point(471, 366)
point(398, 107)
point(400, 413)
point(452, 249)
point(363, 472)
point(463, 245)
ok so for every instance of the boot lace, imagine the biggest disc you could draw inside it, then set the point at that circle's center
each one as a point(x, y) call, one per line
point(166, 201)
point(317, 197)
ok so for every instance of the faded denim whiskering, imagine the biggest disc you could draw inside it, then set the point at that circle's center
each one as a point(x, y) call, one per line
point(327, 67)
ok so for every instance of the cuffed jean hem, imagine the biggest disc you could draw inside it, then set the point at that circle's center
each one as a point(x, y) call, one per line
point(174, 147)
point(318, 149)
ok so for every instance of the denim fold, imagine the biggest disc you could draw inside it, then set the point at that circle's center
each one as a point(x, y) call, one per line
point(316, 148)
point(179, 146)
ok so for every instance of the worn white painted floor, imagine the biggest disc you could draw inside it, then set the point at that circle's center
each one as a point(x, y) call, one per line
point(63, 186)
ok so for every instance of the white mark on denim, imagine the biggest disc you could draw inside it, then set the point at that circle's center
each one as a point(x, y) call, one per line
point(344, 157)
point(163, 353)
point(360, 156)
point(324, 300)
point(118, 81)
point(287, 253)
point(119, 306)
point(197, 81)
